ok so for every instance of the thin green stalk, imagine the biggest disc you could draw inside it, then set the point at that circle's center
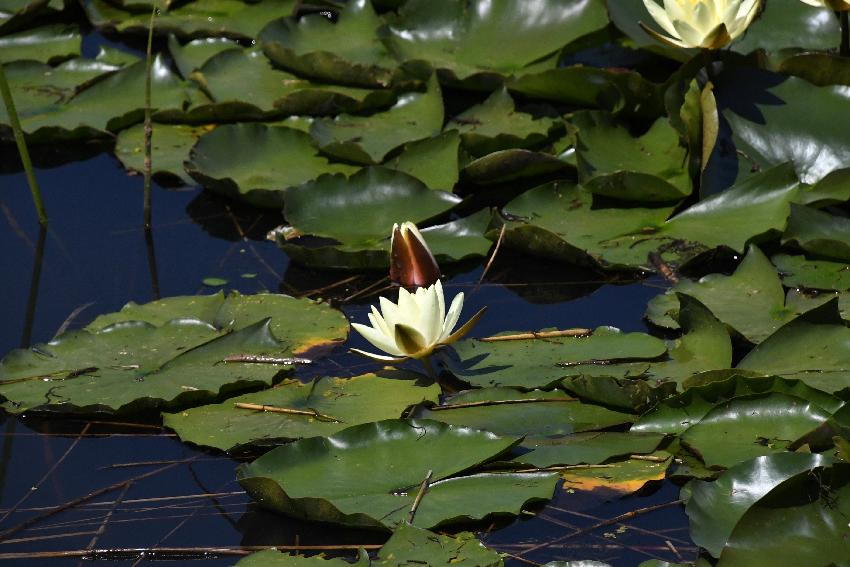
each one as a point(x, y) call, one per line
point(844, 49)
point(429, 367)
point(22, 147)
point(148, 122)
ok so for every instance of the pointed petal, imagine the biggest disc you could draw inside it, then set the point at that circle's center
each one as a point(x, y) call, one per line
point(454, 314)
point(411, 261)
point(380, 357)
point(389, 311)
point(465, 328)
point(378, 321)
point(377, 338)
point(660, 16)
point(409, 340)
point(662, 38)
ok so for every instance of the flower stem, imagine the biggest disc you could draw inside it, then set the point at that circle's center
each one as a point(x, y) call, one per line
point(429, 367)
point(148, 125)
point(844, 49)
point(18, 132)
point(708, 61)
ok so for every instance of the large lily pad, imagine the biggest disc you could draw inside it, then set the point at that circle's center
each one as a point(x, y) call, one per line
point(369, 475)
point(192, 56)
point(621, 477)
point(496, 125)
point(536, 413)
point(611, 162)
point(337, 403)
point(368, 139)
point(751, 301)
point(167, 354)
point(537, 363)
point(818, 233)
point(587, 448)
point(433, 161)
point(274, 558)
point(257, 162)
point(52, 44)
point(466, 39)
point(799, 271)
point(225, 18)
point(558, 221)
point(751, 426)
point(714, 508)
point(346, 52)
point(814, 347)
point(510, 165)
point(170, 147)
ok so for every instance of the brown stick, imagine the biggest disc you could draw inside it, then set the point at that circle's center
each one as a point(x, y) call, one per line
point(493, 255)
point(288, 411)
point(539, 335)
point(663, 267)
point(423, 488)
point(499, 403)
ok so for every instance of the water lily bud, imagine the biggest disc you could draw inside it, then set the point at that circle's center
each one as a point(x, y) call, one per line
point(706, 24)
point(411, 261)
point(836, 5)
point(415, 326)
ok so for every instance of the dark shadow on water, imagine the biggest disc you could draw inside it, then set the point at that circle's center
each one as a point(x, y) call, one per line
point(35, 282)
point(227, 219)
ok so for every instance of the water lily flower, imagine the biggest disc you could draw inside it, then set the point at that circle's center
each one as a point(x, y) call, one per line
point(414, 327)
point(411, 262)
point(706, 24)
point(836, 5)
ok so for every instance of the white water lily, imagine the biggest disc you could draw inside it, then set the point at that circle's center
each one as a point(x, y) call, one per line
point(837, 5)
point(414, 327)
point(706, 24)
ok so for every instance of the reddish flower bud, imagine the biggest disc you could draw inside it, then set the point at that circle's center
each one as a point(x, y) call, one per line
point(411, 261)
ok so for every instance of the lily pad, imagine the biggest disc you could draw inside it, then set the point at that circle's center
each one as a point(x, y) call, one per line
point(814, 347)
point(558, 221)
point(243, 84)
point(369, 475)
point(410, 546)
point(751, 301)
point(336, 403)
point(52, 44)
point(170, 146)
point(256, 162)
point(194, 54)
point(587, 448)
point(368, 139)
point(611, 162)
point(274, 558)
point(346, 52)
point(799, 271)
point(17, 14)
point(622, 477)
point(510, 165)
point(535, 413)
point(496, 125)
point(714, 508)
point(221, 18)
point(433, 161)
point(167, 354)
point(819, 233)
point(466, 39)
point(534, 363)
point(751, 426)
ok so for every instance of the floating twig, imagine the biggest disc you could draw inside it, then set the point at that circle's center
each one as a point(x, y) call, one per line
point(275, 409)
point(58, 375)
point(423, 488)
point(256, 359)
point(663, 267)
point(539, 335)
point(483, 403)
point(493, 255)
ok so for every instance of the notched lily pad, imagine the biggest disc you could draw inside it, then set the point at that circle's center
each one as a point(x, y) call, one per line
point(369, 475)
point(170, 147)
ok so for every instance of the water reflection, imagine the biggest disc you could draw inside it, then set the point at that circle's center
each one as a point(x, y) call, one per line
point(35, 281)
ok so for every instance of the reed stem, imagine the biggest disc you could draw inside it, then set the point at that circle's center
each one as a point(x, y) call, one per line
point(148, 123)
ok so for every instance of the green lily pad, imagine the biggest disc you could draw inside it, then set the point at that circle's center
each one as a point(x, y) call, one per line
point(814, 347)
point(558, 221)
point(611, 162)
point(750, 426)
point(776, 119)
point(170, 146)
point(496, 125)
point(256, 162)
point(342, 402)
point(243, 84)
point(714, 508)
point(510, 165)
point(832, 189)
point(192, 56)
point(539, 363)
point(810, 510)
point(751, 301)
point(346, 52)
point(221, 18)
point(412, 546)
point(587, 448)
point(433, 161)
point(621, 477)
point(614, 90)
point(17, 14)
point(677, 413)
point(368, 139)
point(274, 558)
point(536, 413)
point(799, 271)
point(632, 395)
point(369, 475)
point(818, 233)
point(469, 39)
point(52, 44)
point(166, 354)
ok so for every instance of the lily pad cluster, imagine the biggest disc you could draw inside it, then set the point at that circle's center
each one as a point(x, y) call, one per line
point(580, 141)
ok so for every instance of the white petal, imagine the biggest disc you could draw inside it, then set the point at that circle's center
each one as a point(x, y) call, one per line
point(660, 16)
point(377, 338)
point(389, 311)
point(453, 316)
point(381, 357)
point(378, 322)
